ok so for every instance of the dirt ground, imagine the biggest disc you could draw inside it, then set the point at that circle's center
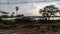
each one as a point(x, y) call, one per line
point(31, 29)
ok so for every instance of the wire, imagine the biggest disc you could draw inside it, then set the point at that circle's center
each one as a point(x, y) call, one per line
point(18, 3)
point(23, 2)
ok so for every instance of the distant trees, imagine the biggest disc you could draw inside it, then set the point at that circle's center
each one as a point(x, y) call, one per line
point(3, 12)
point(49, 11)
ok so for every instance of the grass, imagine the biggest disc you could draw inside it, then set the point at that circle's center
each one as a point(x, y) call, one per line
point(26, 27)
point(43, 22)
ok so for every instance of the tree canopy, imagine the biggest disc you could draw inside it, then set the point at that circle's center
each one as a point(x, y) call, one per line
point(49, 11)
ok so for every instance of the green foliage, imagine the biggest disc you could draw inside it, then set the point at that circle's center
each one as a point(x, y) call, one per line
point(49, 11)
point(1, 24)
point(5, 16)
point(33, 22)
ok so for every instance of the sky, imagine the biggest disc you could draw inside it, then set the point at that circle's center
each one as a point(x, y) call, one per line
point(27, 7)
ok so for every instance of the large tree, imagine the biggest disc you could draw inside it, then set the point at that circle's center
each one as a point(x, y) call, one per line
point(49, 11)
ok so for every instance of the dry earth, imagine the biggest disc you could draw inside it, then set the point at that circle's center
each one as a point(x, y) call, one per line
point(31, 29)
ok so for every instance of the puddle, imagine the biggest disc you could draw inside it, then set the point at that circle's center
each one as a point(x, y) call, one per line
point(58, 32)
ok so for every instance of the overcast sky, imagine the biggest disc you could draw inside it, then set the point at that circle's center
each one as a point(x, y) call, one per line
point(27, 7)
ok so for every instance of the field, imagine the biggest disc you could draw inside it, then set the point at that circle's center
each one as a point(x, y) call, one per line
point(41, 27)
point(31, 29)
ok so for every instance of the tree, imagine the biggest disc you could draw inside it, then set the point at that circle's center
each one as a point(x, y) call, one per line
point(49, 11)
point(3, 12)
point(12, 14)
point(17, 8)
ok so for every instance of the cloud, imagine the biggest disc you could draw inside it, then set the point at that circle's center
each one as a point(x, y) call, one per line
point(3, 7)
point(3, 1)
point(28, 9)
